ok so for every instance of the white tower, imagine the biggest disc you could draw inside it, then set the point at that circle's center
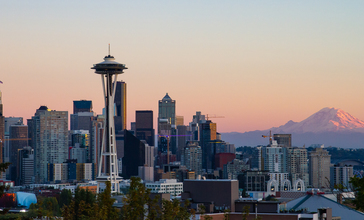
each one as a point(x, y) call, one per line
point(108, 163)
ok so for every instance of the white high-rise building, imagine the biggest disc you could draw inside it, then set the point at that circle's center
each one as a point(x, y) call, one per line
point(274, 158)
point(49, 139)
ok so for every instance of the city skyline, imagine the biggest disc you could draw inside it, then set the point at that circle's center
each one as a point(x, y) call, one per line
point(258, 64)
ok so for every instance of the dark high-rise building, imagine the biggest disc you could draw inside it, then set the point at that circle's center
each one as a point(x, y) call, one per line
point(25, 166)
point(254, 180)
point(18, 140)
point(144, 126)
point(120, 107)
point(82, 121)
point(82, 106)
point(166, 110)
point(283, 139)
point(182, 137)
point(134, 155)
point(207, 133)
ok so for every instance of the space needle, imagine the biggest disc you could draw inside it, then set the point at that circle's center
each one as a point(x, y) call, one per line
point(109, 69)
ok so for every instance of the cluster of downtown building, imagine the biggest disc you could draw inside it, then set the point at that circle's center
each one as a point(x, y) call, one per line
point(44, 151)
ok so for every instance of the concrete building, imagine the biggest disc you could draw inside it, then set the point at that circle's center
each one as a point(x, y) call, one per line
point(233, 168)
point(25, 172)
point(223, 158)
point(341, 175)
point(297, 165)
point(49, 138)
point(193, 157)
point(146, 173)
point(166, 186)
point(214, 194)
point(254, 180)
point(319, 165)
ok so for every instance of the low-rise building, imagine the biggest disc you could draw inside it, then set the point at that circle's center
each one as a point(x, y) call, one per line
point(166, 186)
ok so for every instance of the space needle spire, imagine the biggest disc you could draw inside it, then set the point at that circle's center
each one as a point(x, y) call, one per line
point(109, 69)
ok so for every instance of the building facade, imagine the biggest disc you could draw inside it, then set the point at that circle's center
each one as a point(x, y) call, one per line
point(144, 126)
point(120, 107)
point(166, 186)
point(297, 165)
point(193, 157)
point(50, 140)
point(319, 166)
point(340, 175)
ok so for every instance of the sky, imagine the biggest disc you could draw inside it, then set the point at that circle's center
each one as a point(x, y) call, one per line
point(257, 63)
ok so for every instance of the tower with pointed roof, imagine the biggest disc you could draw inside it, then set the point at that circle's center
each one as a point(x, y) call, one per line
point(166, 116)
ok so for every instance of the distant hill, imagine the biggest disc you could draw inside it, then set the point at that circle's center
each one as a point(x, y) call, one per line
point(329, 126)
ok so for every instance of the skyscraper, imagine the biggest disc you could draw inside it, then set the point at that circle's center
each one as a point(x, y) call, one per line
point(193, 157)
point(297, 165)
point(18, 140)
point(274, 158)
point(120, 107)
point(207, 133)
point(49, 138)
point(134, 155)
point(166, 121)
point(166, 110)
point(82, 106)
point(319, 166)
point(144, 126)
point(25, 171)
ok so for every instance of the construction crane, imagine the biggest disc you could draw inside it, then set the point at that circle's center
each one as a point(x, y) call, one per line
point(270, 137)
point(213, 116)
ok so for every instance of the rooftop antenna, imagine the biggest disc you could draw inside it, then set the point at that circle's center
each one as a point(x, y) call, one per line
point(109, 49)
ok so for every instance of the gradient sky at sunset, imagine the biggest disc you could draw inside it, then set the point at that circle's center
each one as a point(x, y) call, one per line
point(258, 63)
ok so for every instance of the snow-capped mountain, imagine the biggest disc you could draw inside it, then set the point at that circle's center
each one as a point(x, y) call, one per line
point(325, 120)
point(329, 126)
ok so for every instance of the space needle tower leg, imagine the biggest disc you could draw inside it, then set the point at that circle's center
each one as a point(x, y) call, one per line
point(108, 165)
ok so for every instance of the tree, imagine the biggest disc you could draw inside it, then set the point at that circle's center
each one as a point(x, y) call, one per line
point(358, 188)
point(246, 212)
point(154, 210)
point(105, 203)
point(65, 198)
point(85, 206)
point(135, 201)
point(50, 207)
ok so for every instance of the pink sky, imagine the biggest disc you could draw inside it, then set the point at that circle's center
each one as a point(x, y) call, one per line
point(259, 64)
